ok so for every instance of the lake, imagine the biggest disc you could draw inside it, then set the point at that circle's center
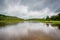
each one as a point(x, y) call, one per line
point(30, 31)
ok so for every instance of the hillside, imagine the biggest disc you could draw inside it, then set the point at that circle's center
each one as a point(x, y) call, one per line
point(9, 19)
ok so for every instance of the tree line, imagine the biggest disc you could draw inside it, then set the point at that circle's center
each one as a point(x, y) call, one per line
point(54, 17)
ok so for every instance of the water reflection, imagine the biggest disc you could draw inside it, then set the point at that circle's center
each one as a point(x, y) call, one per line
point(2, 24)
point(56, 25)
point(30, 31)
point(47, 24)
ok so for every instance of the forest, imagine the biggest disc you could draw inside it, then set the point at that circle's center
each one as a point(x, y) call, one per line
point(54, 17)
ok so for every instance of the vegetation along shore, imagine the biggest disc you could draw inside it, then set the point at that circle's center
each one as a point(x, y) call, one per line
point(55, 19)
point(4, 19)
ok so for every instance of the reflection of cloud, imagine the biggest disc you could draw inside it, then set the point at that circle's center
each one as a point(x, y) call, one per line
point(30, 8)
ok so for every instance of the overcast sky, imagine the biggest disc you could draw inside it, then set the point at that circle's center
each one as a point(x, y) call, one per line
point(29, 8)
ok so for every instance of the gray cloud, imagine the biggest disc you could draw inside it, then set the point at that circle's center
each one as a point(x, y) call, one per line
point(1, 4)
point(37, 5)
point(33, 5)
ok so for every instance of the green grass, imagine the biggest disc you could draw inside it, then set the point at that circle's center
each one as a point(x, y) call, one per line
point(46, 21)
point(10, 21)
point(3, 23)
point(53, 22)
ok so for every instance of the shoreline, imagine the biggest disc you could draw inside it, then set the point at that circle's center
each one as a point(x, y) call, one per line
point(46, 21)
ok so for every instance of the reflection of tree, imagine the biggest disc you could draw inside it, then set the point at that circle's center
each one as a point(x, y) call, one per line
point(2, 24)
point(47, 24)
point(58, 25)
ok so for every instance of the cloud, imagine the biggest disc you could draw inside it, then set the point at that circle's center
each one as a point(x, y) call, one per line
point(30, 8)
point(37, 5)
point(16, 8)
point(40, 14)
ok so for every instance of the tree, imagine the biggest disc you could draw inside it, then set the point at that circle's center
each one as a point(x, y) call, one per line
point(59, 16)
point(54, 17)
point(47, 18)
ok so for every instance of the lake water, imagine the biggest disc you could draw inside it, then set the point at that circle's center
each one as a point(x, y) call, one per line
point(30, 31)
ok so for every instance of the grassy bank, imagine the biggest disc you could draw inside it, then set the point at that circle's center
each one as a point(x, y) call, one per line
point(10, 19)
point(3, 23)
point(52, 22)
point(46, 21)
